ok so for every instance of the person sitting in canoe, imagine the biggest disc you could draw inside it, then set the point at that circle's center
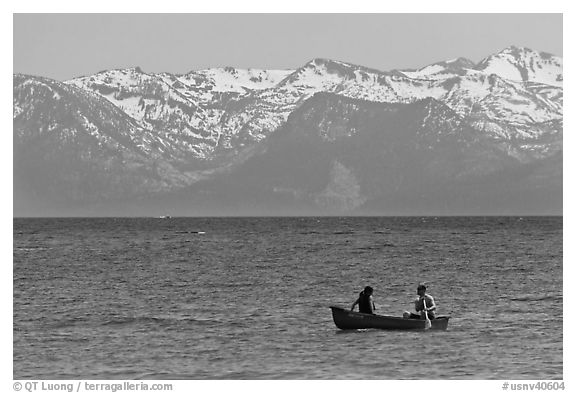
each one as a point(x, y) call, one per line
point(365, 302)
point(423, 304)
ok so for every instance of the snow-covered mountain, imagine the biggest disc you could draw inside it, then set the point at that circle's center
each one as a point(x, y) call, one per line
point(71, 139)
point(206, 123)
point(515, 89)
point(346, 155)
point(525, 65)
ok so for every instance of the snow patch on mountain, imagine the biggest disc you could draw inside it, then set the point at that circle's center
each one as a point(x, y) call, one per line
point(230, 79)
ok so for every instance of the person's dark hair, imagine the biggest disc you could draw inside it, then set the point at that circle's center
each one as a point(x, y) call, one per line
point(368, 290)
point(421, 287)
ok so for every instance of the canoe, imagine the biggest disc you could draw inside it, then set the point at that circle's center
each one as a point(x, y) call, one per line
point(345, 319)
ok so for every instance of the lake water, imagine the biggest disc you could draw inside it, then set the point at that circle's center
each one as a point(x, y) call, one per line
point(248, 298)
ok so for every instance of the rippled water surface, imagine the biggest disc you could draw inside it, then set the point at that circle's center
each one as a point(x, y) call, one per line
point(248, 298)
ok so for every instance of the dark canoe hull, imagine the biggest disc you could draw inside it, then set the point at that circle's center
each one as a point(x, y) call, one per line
point(345, 319)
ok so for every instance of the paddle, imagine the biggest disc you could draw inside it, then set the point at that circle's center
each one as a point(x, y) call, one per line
point(428, 323)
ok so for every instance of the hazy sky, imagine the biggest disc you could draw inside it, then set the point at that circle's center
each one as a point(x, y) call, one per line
point(63, 46)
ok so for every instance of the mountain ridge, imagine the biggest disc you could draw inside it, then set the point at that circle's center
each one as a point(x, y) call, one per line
point(172, 132)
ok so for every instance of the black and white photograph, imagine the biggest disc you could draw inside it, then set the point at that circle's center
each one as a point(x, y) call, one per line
point(287, 196)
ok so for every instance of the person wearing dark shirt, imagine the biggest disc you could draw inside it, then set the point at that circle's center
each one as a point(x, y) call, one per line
point(365, 301)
